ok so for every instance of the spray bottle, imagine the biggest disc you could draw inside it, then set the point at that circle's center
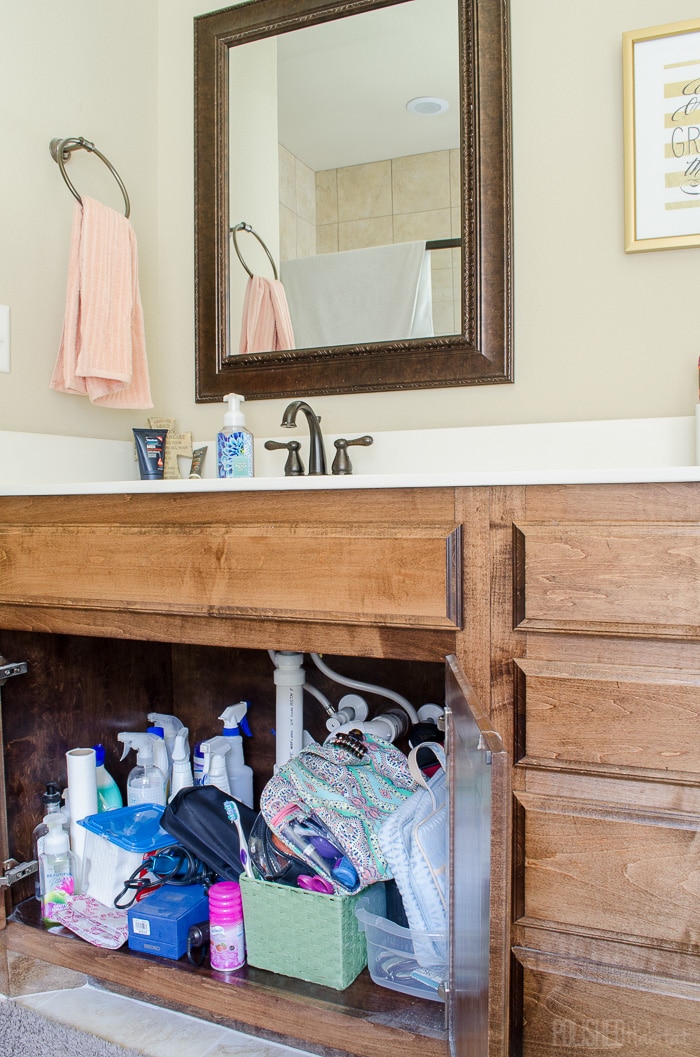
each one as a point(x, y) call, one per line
point(182, 777)
point(234, 444)
point(146, 782)
point(171, 726)
point(240, 775)
point(214, 751)
point(161, 757)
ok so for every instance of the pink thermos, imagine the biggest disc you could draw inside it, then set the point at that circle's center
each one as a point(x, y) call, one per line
point(226, 935)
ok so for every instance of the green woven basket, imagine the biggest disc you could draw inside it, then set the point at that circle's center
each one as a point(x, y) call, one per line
point(309, 935)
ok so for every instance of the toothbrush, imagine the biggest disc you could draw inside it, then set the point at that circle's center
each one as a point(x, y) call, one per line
point(234, 816)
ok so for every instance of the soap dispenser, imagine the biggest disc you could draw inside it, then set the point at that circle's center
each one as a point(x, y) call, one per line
point(234, 444)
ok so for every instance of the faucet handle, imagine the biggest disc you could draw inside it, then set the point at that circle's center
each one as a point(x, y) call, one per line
point(293, 467)
point(341, 462)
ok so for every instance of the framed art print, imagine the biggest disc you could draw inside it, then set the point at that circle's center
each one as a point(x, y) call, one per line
point(661, 71)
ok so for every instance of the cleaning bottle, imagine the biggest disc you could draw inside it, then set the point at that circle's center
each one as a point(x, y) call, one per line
point(108, 795)
point(57, 871)
point(182, 777)
point(171, 725)
point(234, 444)
point(146, 782)
point(51, 799)
point(215, 772)
point(240, 775)
point(198, 764)
point(161, 757)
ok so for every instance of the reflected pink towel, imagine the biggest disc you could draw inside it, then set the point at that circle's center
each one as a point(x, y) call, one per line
point(267, 326)
point(103, 347)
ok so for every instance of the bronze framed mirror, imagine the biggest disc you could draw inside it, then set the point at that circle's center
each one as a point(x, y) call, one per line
point(477, 348)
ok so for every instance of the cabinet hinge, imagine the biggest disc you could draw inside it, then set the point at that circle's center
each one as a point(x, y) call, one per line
point(10, 668)
point(482, 745)
point(13, 871)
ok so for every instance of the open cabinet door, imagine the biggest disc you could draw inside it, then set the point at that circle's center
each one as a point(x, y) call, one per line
point(4, 841)
point(478, 774)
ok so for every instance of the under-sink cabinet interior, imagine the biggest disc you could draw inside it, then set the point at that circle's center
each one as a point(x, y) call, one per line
point(560, 626)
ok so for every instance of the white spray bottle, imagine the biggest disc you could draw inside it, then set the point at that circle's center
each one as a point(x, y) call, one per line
point(171, 725)
point(182, 777)
point(146, 782)
point(234, 444)
point(214, 751)
point(161, 756)
point(240, 775)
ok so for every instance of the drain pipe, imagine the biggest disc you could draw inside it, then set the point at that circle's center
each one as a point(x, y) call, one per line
point(289, 716)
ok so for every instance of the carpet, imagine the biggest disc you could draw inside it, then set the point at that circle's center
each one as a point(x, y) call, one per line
point(25, 1033)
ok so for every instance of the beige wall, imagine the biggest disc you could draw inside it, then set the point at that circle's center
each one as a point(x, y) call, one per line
point(598, 333)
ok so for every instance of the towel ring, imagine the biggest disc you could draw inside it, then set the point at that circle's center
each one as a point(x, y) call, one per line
point(61, 151)
point(246, 227)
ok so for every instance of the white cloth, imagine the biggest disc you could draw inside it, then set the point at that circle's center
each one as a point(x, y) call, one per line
point(382, 293)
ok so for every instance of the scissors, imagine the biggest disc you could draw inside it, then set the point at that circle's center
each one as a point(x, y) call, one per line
point(315, 884)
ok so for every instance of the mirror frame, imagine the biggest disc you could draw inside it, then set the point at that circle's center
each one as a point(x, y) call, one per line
point(482, 353)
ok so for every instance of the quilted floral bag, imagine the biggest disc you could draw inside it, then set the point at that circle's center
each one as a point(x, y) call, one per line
point(327, 803)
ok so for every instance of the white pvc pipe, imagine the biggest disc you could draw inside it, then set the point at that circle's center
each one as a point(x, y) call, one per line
point(289, 715)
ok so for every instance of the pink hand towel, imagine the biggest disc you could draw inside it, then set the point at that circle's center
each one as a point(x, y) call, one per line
point(267, 325)
point(103, 348)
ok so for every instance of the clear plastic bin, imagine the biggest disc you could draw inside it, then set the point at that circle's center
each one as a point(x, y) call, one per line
point(392, 956)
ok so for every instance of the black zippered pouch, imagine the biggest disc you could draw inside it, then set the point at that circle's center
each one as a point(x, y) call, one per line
point(198, 819)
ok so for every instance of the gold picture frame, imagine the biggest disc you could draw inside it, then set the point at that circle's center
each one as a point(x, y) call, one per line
point(661, 78)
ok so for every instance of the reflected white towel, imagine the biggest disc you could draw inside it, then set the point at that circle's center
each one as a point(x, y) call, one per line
point(382, 293)
point(103, 347)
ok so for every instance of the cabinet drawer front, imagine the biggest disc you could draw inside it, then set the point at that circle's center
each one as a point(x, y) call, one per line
point(594, 868)
point(609, 716)
point(381, 574)
point(569, 1009)
point(610, 578)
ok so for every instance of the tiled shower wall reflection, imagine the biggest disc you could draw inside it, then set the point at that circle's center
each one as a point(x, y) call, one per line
point(398, 200)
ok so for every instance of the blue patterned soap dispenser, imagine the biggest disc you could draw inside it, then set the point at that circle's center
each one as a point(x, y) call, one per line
point(234, 444)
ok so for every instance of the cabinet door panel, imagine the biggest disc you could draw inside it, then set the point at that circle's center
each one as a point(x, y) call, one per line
point(593, 868)
point(611, 716)
point(572, 1008)
point(395, 574)
point(612, 578)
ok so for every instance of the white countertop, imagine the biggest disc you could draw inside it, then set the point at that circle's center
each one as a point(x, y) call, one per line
point(603, 452)
point(329, 483)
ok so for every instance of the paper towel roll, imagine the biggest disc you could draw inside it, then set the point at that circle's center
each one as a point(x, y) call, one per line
point(82, 794)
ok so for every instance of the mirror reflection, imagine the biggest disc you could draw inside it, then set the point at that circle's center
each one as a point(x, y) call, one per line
point(344, 182)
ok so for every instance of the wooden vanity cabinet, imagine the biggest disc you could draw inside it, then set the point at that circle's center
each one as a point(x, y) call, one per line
point(129, 604)
point(597, 645)
point(575, 613)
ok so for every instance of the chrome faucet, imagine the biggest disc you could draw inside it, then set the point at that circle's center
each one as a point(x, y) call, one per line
point(317, 454)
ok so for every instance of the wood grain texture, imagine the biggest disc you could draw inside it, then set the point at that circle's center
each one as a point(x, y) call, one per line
point(365, 1020)
point(573, 1007)
point(614, 717)
point(609, 578)
point(317, 569)
point(598, 868)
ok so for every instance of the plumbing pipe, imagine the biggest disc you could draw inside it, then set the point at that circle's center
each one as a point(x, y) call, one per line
point(289, 715)
point(355, 684)
point(321, 698)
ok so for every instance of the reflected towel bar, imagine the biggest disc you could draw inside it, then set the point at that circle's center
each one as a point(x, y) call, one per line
point(242, 226)
point(61, 150)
